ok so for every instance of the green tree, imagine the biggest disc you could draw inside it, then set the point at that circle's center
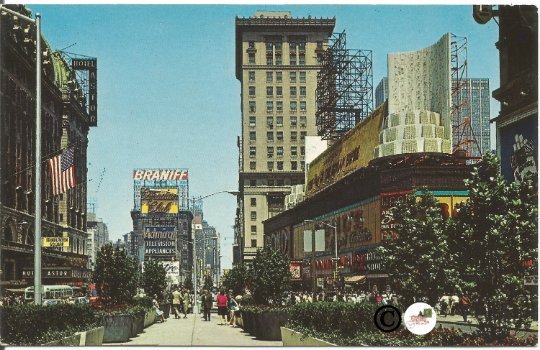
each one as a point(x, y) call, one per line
point(419, 260)
point(188, 282)
point(494, 234)
point(154, 278)
point(115, 276)
point(270, 276)
point(208, 282)
point(236, 279)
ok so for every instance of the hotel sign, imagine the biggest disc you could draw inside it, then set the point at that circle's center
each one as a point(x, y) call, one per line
point(58, 272)
point(90, 65)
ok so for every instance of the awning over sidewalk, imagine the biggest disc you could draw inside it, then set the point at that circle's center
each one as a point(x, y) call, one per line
point(355, 279)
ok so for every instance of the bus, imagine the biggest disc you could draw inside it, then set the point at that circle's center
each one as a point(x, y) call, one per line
point(49, 293)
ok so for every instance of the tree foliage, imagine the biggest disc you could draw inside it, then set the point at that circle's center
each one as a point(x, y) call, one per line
point(270, 276)
point(494, 235)
point(236, 279)
point(208, 282)
point(115, 276)
point(419, 259)
point(154, 278)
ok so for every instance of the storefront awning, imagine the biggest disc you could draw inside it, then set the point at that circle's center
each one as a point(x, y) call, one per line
point(354, 279)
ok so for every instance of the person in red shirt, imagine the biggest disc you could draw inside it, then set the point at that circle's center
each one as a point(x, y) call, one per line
point(222, 302)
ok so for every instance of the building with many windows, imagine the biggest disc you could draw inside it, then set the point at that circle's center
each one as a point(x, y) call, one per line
point(98, 236)
point(381, 92)
point(277, 60)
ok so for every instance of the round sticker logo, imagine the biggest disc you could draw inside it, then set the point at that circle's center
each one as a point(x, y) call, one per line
point(420, 318)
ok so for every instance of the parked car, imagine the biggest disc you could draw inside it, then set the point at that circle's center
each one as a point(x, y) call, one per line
point(49, 302)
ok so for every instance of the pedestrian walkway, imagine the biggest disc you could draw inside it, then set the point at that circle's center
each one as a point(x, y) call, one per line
point(194, 331)
point(456, 322)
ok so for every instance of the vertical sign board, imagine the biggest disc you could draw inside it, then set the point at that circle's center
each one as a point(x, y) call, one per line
point(89, 65)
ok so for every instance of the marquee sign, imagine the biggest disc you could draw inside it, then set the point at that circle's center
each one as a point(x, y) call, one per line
point(58, 273)
point(89, 65)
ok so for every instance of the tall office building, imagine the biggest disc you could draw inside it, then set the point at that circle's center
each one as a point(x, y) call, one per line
point(277, 60)
point(476, 92)
point(381, 92)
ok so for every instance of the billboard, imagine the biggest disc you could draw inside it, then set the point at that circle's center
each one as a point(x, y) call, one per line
point(352, 151)
point(296, 270)
point(160, 241)
point(519, 148)
point(161, 178)
point(172, 269)
point(55, 241)
point(159, 200)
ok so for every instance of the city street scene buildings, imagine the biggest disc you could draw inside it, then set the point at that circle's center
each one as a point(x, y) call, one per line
point(323, 180)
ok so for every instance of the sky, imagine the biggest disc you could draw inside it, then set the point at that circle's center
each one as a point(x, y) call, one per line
point(168, 96)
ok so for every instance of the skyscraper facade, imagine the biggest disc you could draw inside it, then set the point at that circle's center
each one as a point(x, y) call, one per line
point(381, 92)
point(277, 60)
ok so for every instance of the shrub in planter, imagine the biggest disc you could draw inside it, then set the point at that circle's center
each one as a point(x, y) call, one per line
point(138, 320)
point(118, 327)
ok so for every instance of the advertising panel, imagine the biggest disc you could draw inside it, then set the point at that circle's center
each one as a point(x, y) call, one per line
point(389, 224)
point(280, 240)
point(172, 269)
point(55, 241)
point(296, 270)
point(159, 241)
point(351, 152)
point(519, 148)
point(161, 178)
point(159, 200)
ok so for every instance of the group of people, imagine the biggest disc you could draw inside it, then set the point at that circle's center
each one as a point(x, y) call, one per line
point(228, 306)
point(452, 304)
point(11, 300)
point(372, 297)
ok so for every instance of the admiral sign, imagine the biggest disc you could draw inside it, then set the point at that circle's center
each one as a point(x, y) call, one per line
point(159, 241)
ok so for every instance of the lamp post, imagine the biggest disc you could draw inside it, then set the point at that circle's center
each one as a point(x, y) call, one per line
point(37, 187)
point(335, 258)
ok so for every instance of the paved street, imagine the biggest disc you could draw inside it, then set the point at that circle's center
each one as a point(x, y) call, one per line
point(194, 331)
point(456, 322)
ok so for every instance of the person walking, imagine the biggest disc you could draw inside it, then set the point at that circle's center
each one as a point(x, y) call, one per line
point(185, 302)
point(206, 301)
point(156, 307)
point(222, 302)
point(176, 302)
point(233, 308)
point(464, 304)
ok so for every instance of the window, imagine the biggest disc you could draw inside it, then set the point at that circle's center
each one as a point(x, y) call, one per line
point(251, 75)
point(294, 135)
point(252, 165)
point(251, 44)
point(279, 120)
point(302, 77)
point(319, 45)
point(294, 165)
point(252, 151)
point(270, 122)
point(303, 135)
point(279, 152)
point(279, 91)
point(253, 202)
point(302, 91)
point(252, 182)
point(278, 60)
point(302, 150)
point(269, 91)
point(303, 165)
point(251, 58)
point(270, 182)
point(303, 121)
point(269, 60)
point(280, 167)
point(279, 135)
point(293, 105)
point(252, 107)
point(303, 105)
point(252, 136)
point(269, 106)
point(319, 58)
point(270, 136)
point(252, 91)
point(270, 166)
point(270, 152)
point(293, 91)
point(269, 77)
point(294, 150)
point(301, 59)
point(302, 46)
point(269, 47)
point(293, 121)
point(279, 106)
point(278, 46)
point(292, 59)
point(279, 77)
point(253, 242)
point(292, 47)
point(252, 121)
point(293, 77)
point(253, 215)
point(253, 228)
point(280, 182)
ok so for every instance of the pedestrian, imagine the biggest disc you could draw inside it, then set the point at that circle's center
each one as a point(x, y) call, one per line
point(206, 301)
point(233, 308)
point(185, 302)
point(454, 304)
point(158, 310)
point(444, 305)
point(464, 304)
point(222, 302)
point(176, 297)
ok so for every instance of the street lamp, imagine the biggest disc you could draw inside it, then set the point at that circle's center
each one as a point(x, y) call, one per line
point(37, 188)
point(335, 258)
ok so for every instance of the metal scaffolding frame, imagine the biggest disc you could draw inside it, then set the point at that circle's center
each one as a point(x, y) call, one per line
point(344, 88)
point(463, 136)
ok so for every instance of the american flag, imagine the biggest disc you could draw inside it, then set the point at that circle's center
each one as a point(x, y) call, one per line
point(62, 171)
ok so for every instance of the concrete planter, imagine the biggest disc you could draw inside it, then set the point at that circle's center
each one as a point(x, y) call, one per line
point(270, 323)
point(117, 328)
point(92, 337)
point(149, 317)
point(247, 321)
point(294, 338)
point(138, 324)
point(240, 320)
point(73, 340)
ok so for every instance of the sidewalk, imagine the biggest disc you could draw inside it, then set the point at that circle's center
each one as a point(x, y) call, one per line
point(194, 331)
point(456, 322)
